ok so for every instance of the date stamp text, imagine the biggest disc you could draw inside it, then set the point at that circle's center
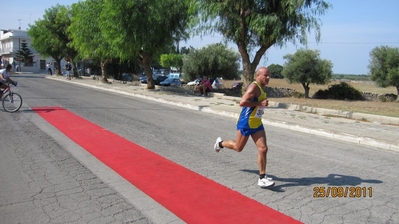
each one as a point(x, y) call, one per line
point(342, 192)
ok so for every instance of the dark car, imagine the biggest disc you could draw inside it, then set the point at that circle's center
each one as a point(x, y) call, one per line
point(171, 82)
point(159, 79)
point(126, 77)
point(237, 85)
point(143, 79)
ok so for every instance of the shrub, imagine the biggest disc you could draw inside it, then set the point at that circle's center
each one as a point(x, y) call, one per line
point(341, 91)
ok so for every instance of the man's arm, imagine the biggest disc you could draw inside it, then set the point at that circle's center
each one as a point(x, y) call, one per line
point(252, 92)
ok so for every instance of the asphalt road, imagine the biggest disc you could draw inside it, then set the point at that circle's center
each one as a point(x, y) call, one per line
point(40, 179)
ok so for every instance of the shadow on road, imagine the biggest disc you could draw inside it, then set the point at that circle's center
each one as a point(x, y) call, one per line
point(330, 180)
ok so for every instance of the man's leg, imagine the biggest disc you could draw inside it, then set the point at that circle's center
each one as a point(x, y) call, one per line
point(236, 145)
point(261, 143)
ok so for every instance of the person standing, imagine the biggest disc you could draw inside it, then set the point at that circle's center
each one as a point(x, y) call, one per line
point(68, 68)
point(250, 123)
point(50, 70)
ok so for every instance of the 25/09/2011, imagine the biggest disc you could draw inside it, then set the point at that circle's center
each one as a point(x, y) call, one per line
point(342, 192)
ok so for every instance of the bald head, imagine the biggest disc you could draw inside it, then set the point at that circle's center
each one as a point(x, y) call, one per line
point(262, 76)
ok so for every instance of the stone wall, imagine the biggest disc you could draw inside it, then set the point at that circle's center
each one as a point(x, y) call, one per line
point(379, 97)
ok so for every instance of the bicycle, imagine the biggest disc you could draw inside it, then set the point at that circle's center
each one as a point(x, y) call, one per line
point(12, 102)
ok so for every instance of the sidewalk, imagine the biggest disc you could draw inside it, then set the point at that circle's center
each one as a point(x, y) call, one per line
point(371, 130)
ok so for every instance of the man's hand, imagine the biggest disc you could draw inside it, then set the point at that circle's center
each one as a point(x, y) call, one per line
point(264, 103)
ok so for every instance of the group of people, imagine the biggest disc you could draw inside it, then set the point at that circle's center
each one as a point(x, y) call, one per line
point(68, 69)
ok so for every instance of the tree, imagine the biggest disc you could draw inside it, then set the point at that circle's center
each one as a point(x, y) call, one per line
point(141, 30)
point(256, 25)
point(384, 67)
point(275, 71)
point(172, 60)
point(214, 60)
point(48, 37)
point(306, 67)
point(87, 36)
point(64, 18)
point(25, 54)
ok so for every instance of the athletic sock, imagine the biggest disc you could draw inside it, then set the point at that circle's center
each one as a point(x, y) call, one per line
point(261, 176)
point(220, 145)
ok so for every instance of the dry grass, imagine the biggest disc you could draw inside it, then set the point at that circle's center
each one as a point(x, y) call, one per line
point(370, 107)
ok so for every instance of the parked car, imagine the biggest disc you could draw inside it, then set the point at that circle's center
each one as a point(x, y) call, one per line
point(126, 77)
point(216, 84)
point(237, 85)
point(171, 82)
point(159, 79)
point(194, 83)
point(143, 79)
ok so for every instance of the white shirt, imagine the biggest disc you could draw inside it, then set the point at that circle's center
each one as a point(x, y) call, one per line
point(5, 75)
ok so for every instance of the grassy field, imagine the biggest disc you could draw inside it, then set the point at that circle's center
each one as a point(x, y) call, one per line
point(369, 107)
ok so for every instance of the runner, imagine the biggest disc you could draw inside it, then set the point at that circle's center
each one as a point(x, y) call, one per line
point(250, 124)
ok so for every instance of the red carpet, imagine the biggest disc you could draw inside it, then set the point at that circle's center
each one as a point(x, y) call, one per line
point(190, 196)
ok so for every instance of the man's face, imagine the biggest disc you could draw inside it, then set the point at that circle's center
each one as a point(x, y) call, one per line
point(264, 76)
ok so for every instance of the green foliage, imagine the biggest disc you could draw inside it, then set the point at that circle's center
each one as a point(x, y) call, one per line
point(214, 60)
point(256, 25)
point(306, 67)
point(141, 30)
point(49, 36)
point(86, 32)
point(275, 71)
point(342, 91)
point(352, 77)
point(384, 66)
point(172, 60)
point(25, 54)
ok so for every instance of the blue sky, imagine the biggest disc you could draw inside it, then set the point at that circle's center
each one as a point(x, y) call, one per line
point(349, 32)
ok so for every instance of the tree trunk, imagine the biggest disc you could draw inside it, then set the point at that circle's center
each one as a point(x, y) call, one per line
point(103, 65)
point(248, 66)
point(306, 88)
point(145, 61)
point(74, 70)
point(397, 94)
point(58, 67)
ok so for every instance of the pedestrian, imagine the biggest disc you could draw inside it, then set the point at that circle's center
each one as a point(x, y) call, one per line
point(68, 68)
point(50, 70)
point(204, 87)
point(250, 123)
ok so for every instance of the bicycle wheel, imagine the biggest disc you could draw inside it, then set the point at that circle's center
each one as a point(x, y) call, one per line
point(12, 102)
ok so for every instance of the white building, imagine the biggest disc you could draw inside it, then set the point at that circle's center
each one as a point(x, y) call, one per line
point(10, 43)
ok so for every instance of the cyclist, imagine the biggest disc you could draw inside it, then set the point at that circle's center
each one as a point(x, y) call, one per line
point(5, 77)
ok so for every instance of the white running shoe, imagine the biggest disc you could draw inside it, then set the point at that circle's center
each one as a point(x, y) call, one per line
point(269, 178)
point(265, 183)
point(217, 147)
